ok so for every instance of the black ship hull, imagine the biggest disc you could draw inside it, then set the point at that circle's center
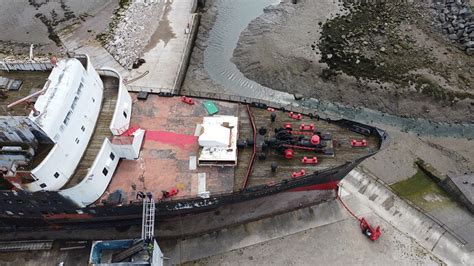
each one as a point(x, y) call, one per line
point(23, 211)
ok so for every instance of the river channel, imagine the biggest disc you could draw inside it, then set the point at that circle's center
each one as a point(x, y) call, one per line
point(234, 16)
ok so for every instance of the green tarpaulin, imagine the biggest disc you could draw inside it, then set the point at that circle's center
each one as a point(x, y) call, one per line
point(210, 107)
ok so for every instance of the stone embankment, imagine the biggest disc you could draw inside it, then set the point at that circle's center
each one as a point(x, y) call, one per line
point(457, 21)
point(127, 37)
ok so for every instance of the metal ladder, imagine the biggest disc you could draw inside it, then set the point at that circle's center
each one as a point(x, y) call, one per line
point(148, 220)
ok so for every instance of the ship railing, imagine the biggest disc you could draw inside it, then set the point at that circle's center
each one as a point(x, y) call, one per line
point(117, 126)
point(121, 140)
point(284, 182)
point(227, 97)
point(109, 73)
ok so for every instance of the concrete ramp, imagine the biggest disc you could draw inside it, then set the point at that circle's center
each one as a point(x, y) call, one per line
point(432, 235)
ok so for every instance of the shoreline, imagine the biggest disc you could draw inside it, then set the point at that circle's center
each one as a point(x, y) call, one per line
point(265, 54)
point(448, 154)
point(196, 78)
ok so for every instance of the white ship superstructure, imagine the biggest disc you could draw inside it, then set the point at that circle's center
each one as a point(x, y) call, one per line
point(65, 118)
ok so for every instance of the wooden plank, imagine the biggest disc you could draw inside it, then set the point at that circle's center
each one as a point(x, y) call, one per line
point(201, 183)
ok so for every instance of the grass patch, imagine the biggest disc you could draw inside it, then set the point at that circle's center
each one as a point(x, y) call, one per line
point(421, 190)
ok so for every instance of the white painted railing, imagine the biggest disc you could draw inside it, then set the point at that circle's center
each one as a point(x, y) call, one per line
point(123, 108)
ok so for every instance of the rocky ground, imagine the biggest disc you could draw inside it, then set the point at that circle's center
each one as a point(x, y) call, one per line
point(389, 57)
point(131, 28)
point(395, 163)
point(457, 21)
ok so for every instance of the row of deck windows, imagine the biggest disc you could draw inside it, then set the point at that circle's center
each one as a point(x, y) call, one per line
point(104, 171)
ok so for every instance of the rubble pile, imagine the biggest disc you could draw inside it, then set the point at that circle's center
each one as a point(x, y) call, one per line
point(133, 31)
point(457, 21)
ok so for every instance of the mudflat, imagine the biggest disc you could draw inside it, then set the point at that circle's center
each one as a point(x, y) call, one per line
point(389, 57)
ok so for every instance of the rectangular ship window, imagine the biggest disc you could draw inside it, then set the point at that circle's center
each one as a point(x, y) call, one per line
point(105, 171)
point(112, 156)
point(83, 128)
point(74, 102)
point(124, 114)
point(68, 117)
point(79, 90)
point(56, 174)
point(43, 185)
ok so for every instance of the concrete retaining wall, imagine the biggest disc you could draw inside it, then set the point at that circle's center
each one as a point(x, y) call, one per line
point(411, 221)
point(183, 68)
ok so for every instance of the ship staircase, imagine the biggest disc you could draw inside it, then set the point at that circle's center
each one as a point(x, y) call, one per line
point(148, 225)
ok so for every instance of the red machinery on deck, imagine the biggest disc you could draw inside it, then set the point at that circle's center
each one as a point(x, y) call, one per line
point(302, 172)
point(295, 116)
point(359, 143)
point(187, 100)
point(307, 160)
point(168, 194)
point(307, 127)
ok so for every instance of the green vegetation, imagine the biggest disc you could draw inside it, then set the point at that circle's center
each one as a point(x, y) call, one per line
point(422, 191)
point(430, 88)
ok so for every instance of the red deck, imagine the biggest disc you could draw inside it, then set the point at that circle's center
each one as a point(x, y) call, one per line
point(169, 143)
point(165, 155)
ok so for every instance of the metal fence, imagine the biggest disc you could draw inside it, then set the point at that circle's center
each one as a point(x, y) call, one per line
point(25, 66)
point(291, 107)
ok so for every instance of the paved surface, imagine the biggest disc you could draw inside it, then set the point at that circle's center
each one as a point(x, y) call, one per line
point(49, 257)
point(324, 234)
point(340, 243)
point(165, 51)
point(459, 220)
point(429, 233)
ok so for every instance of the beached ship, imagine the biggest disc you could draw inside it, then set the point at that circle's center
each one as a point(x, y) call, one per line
point(83, 152)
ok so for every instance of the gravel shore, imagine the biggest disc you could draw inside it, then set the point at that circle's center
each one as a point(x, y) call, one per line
point(395, 63)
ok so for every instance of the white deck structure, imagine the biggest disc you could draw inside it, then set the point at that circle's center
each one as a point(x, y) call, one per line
point(218, 140)
point(67, 111)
